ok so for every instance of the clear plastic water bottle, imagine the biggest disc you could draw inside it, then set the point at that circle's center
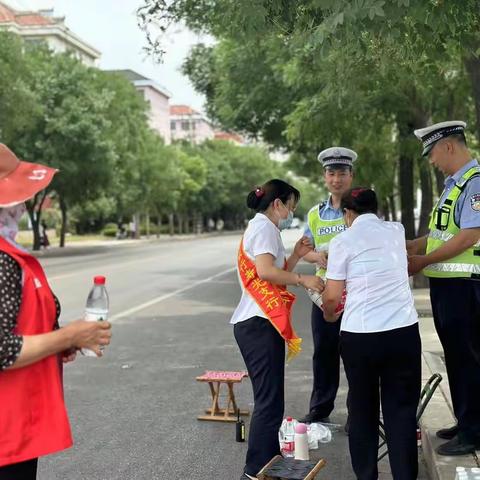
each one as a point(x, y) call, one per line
point(288, 446)
point(96, 308)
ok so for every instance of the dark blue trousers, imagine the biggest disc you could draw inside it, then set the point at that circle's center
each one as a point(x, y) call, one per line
point(263, 350)
point(20, 471)
point(456, 312)
point(326, 363)
point(383, 367)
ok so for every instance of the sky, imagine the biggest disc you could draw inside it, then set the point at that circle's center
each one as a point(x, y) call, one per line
point(111, 27)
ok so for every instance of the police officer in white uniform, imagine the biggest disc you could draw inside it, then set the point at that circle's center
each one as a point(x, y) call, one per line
point(325, 221)
point(450, 257)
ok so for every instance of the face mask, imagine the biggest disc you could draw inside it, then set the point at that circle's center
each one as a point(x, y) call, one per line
point(285, 222)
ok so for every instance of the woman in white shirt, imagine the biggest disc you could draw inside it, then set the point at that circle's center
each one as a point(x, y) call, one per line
point(379, 339)
point(261, 320)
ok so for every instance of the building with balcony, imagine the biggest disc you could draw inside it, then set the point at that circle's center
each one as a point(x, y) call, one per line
point(43, 27)
point(190, 125)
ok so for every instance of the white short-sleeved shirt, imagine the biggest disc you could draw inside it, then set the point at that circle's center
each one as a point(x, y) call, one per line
point(371, 257)
point(261, 236)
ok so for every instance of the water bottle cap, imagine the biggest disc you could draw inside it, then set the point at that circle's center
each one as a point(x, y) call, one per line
point(99, 280)
point(289, 419)
point(300, 428)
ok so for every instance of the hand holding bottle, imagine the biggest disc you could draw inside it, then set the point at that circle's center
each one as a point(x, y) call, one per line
point(312, 282)
point(96, 309)
point(89, 335)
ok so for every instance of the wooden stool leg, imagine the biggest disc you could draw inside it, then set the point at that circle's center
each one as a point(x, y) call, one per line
point(215, 391)
point(231, 399)
point(261, 475)
point(315, 470)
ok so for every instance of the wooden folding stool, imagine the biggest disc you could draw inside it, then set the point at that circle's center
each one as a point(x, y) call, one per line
point(215, 379)
point(280, 468)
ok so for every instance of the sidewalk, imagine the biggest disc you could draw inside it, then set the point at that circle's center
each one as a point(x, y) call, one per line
point(95, 246)
point(439, 412)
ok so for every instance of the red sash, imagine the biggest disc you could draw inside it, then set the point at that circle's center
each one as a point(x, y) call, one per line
point(275, 301)
point(33, 418)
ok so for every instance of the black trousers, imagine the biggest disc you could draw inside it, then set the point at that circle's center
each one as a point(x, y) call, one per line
point(326, 363)
point(20, 471)
point(456, 312)
point(263, 351)
point(386, 366)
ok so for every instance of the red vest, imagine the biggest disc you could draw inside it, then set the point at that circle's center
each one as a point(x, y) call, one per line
point(33, 418)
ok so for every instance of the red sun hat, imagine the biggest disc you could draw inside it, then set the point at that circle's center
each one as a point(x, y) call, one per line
point(20, 181)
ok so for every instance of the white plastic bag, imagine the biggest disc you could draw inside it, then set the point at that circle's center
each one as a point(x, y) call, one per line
point(318, 433)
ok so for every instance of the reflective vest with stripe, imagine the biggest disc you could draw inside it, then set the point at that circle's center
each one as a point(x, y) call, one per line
point(323, 231)
point(443, 227)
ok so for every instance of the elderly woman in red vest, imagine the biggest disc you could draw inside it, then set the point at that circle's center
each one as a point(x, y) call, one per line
point(33, 419)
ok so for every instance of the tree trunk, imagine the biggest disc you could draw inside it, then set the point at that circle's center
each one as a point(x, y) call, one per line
point(180, 223)
point(171, 225)
point(405, 177)
point(407, 122)
point(147, 224)
point(420, 281)
point(393, 208)
point(427, 196)
point(439, 180)
point(385, 209)
point(35, 223)
point(472, 64)
point(63, 227)
point(159, 225)
point(136, 221)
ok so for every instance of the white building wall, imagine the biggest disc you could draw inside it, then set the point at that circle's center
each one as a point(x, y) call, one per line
point(159, 112)
point(198, 130)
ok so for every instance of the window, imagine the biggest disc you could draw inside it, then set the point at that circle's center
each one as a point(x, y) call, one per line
point(173, 125)
point(185, 125)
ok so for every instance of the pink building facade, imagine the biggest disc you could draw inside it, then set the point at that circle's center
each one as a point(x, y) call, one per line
point(157, 98)
point(188, 124)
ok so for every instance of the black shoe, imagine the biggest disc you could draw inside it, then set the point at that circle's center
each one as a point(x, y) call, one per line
point(448, 433)
point(314, 417)
point(455, 447)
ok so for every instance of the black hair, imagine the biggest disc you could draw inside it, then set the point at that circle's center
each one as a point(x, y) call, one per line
point(261, 197)
point(360, 200)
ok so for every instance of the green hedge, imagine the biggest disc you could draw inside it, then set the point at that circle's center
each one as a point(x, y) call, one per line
point(110, 230)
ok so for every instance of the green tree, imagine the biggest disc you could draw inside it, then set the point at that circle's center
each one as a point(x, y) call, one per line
point(130, 137)
point(388, 65)
point(18, 103)
point(68, 132)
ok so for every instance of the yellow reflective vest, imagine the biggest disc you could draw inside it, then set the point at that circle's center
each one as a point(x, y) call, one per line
point(443, 228)
point(323, 231)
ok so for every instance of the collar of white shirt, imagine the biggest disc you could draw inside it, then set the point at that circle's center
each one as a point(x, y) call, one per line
point(262, 218)
point(365, 217)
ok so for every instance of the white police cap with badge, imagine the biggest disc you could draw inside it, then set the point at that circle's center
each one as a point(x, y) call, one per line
point(337, 156)
point(431, 135)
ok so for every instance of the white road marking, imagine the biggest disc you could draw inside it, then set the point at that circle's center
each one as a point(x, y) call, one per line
point(154, 301)
point(109, 268)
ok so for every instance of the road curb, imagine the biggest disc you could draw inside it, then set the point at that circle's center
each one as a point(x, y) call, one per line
point(439, 414)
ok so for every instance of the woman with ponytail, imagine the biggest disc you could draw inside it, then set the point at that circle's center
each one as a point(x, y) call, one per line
point(262, 319)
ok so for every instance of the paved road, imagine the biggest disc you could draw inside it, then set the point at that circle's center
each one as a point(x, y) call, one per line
point(134, 411)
